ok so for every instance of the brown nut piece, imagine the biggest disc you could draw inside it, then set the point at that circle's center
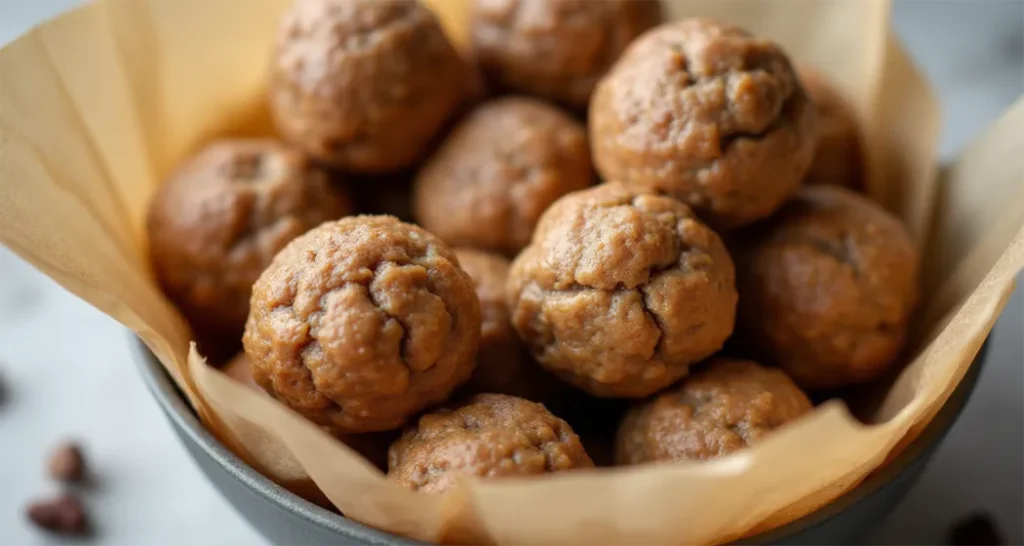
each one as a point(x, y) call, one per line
point(621, 291)
point(708, 113)
point(728, 406)
point(66, 463)
point(64, 514)
point(828, 285)
point(491, 436)
point(360, 323)
point(363, 84)
point(556, 49)
point(837, 158)
point(218, 221)
point(498, 171)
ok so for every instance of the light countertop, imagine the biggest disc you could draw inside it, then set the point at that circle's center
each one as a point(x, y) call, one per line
point(148, 490)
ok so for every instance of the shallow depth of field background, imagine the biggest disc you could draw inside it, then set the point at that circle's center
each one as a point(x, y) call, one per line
point(67, 370)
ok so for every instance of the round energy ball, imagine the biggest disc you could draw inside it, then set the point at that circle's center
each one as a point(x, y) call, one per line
point(218, 221)
point(728, 406)
point(621, 291)
point(361, 323)
point(708, 113)
point(503, 365)
point(491, 436)
point(363, 84)
point(498, 171)
point(555, 49)
point(827, 287)
point(837, 158)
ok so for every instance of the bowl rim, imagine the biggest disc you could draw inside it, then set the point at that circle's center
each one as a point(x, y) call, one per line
point(177, 409)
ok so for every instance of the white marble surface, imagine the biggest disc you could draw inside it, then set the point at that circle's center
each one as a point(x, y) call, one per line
point(149, 492)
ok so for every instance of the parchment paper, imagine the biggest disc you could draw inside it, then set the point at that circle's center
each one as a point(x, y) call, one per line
point(96, 106)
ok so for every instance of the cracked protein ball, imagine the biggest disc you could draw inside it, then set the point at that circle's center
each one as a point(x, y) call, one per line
point(491, 436)
point(498, 171)
point(218, 221)
point(364, 84)
point(503, 365)
point(837, 157)
point(555, 49)
point(361, 323)
point(728, 406)
point(708, 113)
point(828, 285)
point(621, 291)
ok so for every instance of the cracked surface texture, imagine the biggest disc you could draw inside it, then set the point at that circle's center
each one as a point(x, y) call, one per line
point(728, 406)
point(827, 286)
point(363, 84)
point(498, 171)
point(621, 291)
point(218, 221)
point(361, 323)
point(491, 436)
point(706, 112)
point(837, 157)
point(556, 49)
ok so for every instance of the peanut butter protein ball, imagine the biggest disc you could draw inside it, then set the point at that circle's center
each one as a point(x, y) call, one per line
point(827, 288)
point(498, 171)
point(218, 221)
point(364, 84)
point(503, 364)
point(838, 159)
point(621, 291)
point(361, 323)
point(708, 113)
point(726, 407)
point(555, 49)
point(491, 436)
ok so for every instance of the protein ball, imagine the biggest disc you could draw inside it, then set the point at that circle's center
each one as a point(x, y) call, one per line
point(730, 405)
point(621, 291)
point(491, 436)
point(837, 158)
point(372, 446)
point(827, 287)
point(488, 184)
point(708, 113)
point(555, 49)
point(218, 221)
point(360, 323)
point(363, 84)
point(503, 365)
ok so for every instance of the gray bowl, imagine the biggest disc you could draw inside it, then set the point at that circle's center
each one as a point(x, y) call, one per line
point(285, 518)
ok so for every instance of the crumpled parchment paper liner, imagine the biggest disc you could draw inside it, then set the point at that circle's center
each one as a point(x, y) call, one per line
point(98, 105)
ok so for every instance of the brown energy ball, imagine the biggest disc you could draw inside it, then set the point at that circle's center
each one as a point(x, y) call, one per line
point(360, 323)
point(621, 291)
point(491, 436)
point(709, 113)
point(503, 365)
point(837, 158)
point(827, 286)
point(363, 84)
point(556, 49)
point(498, 171)
point(372, 446)
point(218, 221)
point(730, 405)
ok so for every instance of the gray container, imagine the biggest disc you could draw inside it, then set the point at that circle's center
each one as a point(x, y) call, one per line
point(285, 518)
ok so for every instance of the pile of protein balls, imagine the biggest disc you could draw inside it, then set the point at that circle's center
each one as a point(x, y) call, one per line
point(596, 208)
